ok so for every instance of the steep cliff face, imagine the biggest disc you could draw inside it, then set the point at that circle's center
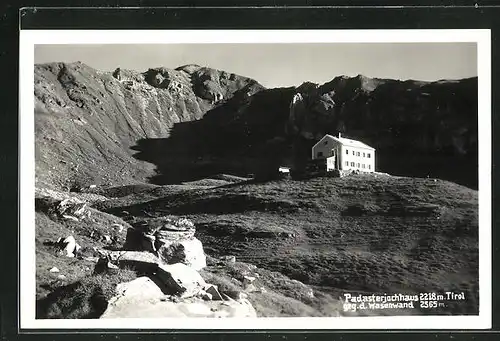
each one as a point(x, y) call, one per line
point(87, 121)
point(423, 116)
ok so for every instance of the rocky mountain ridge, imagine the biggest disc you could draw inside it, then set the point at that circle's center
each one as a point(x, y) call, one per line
point(192, 122)
point(86, 121)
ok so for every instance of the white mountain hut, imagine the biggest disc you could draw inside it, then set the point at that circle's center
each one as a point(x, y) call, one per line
point(344, 154)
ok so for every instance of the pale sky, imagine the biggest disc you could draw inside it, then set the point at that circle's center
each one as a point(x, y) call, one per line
point(275, 65)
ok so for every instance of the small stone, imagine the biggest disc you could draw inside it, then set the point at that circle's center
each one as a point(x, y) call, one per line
point(61, 277)
point(242, 296)
point(230, 259)
point(248, 279)
point(54, 269)
point(118, 227)
point(70, 217)
point(92, 259)
point(112, 266)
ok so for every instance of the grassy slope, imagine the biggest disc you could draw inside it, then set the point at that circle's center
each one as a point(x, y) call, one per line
point(83, 294)
point(360, 233)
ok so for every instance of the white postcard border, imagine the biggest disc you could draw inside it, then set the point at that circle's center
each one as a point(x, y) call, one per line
point(30, 38)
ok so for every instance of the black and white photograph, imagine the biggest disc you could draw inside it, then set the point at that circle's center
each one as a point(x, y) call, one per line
point(257, 180)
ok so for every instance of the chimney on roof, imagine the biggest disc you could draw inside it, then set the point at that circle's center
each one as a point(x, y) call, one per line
point(339, 135)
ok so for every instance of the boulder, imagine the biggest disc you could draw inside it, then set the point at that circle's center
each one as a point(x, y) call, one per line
point(73, 208)
point(130, 307)
point(141, 261)
point(174, 235)
point(189, 252)
point(248, 284)
point(142, 298)
point(68, 246)
point(141, 286)
point(170, 223)
point(171, 238)
point(181, 279)
point(138, 256)
point(230, 259)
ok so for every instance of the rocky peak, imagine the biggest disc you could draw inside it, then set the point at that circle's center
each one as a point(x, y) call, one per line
point(88, 120)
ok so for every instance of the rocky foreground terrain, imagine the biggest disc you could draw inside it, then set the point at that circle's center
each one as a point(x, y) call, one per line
point(144, 205)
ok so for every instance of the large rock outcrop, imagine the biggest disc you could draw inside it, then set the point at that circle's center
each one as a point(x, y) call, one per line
point(142, 298)
point(172, 239)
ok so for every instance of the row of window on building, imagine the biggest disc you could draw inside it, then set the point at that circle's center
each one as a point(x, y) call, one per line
point(358, 153)
point(353, 164)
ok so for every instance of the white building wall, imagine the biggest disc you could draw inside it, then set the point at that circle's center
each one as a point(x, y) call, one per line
point(349, 158)
point(330, 163)
point(323, 149)
point(354, 158)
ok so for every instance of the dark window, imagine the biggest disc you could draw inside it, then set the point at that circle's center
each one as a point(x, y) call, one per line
point(326, 142)
point(347, 163)
point(358, 165)
point(363, 154)
point(347, 152)
point(353, 152)
point(368, 155)
point(352, 164)
point(369, 167)
point(358, 153)
point(363, 165)
point(320, 154)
